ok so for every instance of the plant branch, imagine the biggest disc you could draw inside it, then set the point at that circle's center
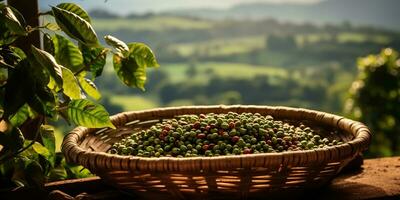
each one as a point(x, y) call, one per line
point(45, 13)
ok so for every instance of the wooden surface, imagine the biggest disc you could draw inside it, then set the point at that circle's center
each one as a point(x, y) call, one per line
point(376, 179)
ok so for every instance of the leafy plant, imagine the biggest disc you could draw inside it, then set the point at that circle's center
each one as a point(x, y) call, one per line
point(42, 85)
point(375, 99)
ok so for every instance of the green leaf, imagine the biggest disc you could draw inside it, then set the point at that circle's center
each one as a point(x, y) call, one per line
point(3, 64)
point(71, 87)
point(53, 85)
point(40, 149)
point(18, 176)
point(48, 44)
point(76, 9)
point(117, 44)
point(12, 21)
point(18, 52)
point(132, 69)
point(3, 81)
point(67, 54)
point(34, 174)
point(143, 55)
point(18, 89)
point(19, 16)
point(75, 26)
point(78, 171)
point(44, 162)
point(94, 58)
point(129, 72)
point(29, 152)
point(9, 55)
point(52, 26)
point(12, 138)
point(49, 62)
point(86, 113)
point(20, 116)
point(6, 36)
point(57, 173)
point(38, 95)
point(48, 138)
point(89, 87)
point(36, 104)
point(43, 101)
point(45, 94)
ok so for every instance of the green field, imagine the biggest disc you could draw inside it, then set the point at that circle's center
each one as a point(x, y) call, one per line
point(239, 45)
point(177, 72)
point(357, 37)
point(157, 23)
point(221, 47)
point(342, 38)
point(131, 102)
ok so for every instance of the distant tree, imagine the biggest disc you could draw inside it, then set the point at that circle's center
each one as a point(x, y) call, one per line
point(209, 72)
point(347, 26)
point(375, 100)
point(140, 16)
point(191, 70)
point(395, 43)
point(230, 98)
point(156, 79)
point(281, 43)
point(111, 107)
point(102, 14)
point(169, 93)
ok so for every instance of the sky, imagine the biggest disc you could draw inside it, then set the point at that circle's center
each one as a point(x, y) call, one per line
point(124, 7)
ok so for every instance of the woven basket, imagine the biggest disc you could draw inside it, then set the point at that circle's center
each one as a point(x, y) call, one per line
point(227, 177)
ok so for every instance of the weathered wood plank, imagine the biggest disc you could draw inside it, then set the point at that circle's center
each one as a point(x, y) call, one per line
point(376, 179)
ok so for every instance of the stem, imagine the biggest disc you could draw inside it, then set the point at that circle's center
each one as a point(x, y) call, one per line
point(62, 108)
point(38, 28)
point(81, 70)
point(45, 13)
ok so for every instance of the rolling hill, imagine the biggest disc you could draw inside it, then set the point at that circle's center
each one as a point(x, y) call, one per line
point(378, 13)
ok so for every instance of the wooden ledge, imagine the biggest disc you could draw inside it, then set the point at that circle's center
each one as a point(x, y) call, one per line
point(375, 179)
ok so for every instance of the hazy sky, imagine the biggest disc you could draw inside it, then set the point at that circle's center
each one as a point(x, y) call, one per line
point(126, 6)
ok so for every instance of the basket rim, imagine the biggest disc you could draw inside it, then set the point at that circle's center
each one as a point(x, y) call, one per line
point(103, 161)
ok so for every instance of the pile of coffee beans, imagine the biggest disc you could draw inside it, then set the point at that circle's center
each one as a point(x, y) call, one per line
point(220, 134)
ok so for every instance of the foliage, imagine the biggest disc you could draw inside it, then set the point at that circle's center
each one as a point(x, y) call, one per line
point(375, 99)
point(41, 85)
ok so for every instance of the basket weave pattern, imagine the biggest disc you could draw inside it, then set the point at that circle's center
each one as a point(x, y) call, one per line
point(232, 177)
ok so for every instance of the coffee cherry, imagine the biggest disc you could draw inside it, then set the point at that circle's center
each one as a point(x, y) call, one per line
point(247, 151)
point(201, 136)
point(220, 134)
